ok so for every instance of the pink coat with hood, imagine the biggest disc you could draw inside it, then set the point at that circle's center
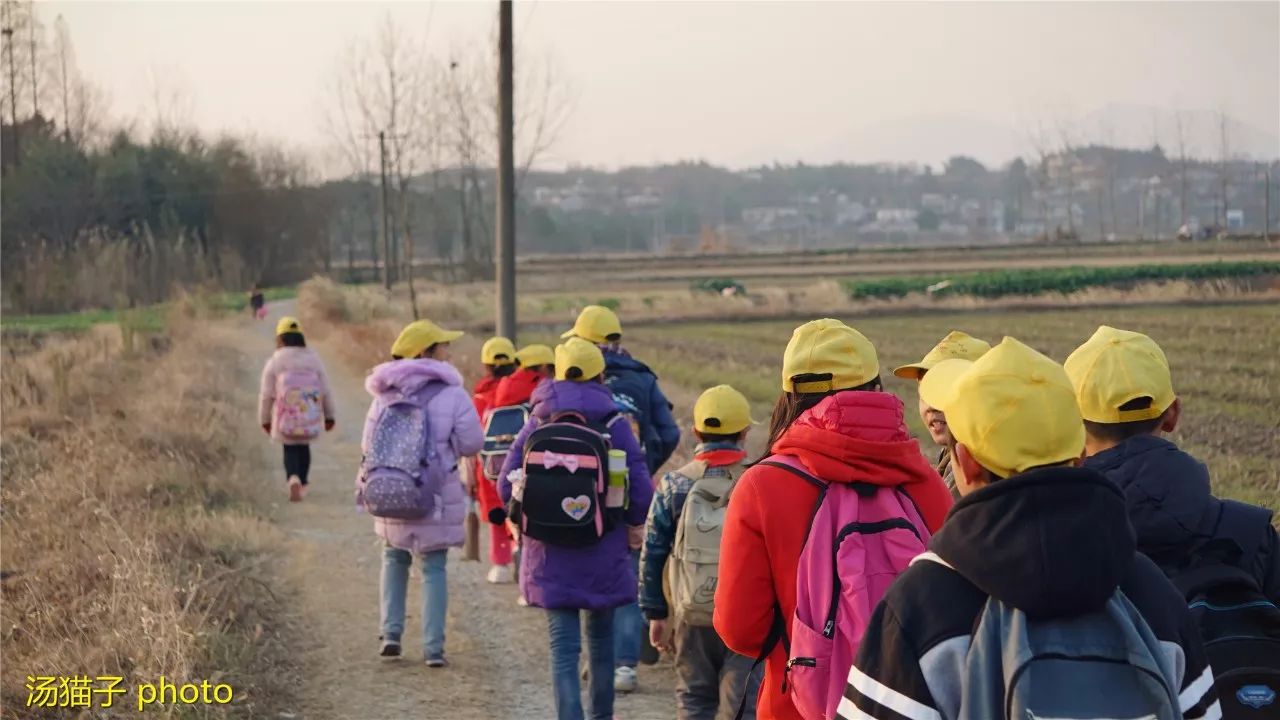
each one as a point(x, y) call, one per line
point(290, 359)
point(456, 431)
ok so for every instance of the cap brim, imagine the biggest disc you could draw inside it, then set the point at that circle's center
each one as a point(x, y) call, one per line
point(450, 335)
point(568, 334)
point(937, 388)
point(910, 372)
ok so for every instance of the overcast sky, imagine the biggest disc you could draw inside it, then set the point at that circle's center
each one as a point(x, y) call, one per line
point(738, 83)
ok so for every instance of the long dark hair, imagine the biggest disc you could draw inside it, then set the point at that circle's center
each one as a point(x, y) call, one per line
point(291, 339)
point(792, 405)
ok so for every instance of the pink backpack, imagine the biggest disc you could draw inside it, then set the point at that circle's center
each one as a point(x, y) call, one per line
point(861, 539)
point(298, 409)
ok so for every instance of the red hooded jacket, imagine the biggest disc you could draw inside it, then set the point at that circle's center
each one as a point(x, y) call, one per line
point(483, 398)
point(516, 388)
point(849, 437)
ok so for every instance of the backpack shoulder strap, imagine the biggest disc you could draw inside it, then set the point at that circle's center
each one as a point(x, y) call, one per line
point(792, 464)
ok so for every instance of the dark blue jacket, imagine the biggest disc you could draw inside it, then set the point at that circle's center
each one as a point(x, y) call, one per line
point(632, 382)
point(1175, 515)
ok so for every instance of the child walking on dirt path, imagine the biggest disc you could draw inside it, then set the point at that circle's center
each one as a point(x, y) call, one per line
point(498, 355)
point(257, 303)
point(681, 557)
point(418, 505)
point(574, 533)
point(295, 404)
point(955, 345)
point(841, 458)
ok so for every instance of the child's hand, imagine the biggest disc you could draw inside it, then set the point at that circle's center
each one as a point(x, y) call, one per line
point(328, 424)
point(266, 428)
point(635, 536)
point(658, 635)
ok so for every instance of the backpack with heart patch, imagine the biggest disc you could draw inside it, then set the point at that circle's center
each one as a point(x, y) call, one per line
point(562, 496)
point(694, 566)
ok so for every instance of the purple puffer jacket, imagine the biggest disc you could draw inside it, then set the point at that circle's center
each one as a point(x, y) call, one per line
point(456, 430)
point(601, 576)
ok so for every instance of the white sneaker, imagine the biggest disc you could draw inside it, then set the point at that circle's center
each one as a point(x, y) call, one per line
point(499, 575)
point(624, 680)
point(522, 602)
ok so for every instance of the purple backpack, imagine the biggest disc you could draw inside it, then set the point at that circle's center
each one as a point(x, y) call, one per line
point(401, 475)
point(861, 539)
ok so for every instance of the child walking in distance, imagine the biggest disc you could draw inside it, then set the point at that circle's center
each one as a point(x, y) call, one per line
point(257, 303)
point(1032, 602)
point(1223, 555)
point(816, 530)
point(682, 547)
point(294, 402)
point(419, 427)
point(576, 482)
point(955, 345)
point(639, 398)
point(498, 355)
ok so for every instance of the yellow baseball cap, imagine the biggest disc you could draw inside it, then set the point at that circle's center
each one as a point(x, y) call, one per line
point(955, 345)
point(1115, 367)
point(580, 355)
point(419, 335)
point(828, 347)
point(497, 351)
point(722, 410)
point(535, 355)
point(1013, 408)
point(596, 324)
point(288, 325)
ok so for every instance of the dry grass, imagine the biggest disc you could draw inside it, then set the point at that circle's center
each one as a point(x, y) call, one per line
point(130, 544)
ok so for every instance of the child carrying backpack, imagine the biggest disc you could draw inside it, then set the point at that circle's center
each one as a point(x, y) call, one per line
point(498, 356)
point(294, 402)
point(817, 530)
point(682, 552)
point(1033, 602)
point(575, 481)
point(1223, 555)
point(419, 427)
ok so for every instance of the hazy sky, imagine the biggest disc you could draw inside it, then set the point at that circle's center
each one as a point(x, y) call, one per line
point(738, 82)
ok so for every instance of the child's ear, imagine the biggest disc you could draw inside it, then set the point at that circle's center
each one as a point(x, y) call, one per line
point(1169, 421)
point(970, 476)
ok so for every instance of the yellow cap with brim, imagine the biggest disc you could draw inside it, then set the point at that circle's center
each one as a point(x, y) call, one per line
point(535, 355)
point(722, 410)
point(419, 335)
point(827, 355)
point(1013, 408)
point(578, 360)
point(288, 325)
point(597, 324)
point(1115, 367)
point(497, 351)
point(956, 345)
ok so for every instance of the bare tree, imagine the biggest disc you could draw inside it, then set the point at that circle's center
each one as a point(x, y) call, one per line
point(1180, 128)
point(1224, 157)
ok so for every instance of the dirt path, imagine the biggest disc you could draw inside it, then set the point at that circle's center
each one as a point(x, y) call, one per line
point(497, 650)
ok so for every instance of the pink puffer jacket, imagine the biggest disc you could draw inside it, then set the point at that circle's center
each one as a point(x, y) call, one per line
point(289, 359)
point(456, 431)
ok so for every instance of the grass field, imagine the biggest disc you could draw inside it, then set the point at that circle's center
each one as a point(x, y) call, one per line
point(1225, 360)
point(150, 318)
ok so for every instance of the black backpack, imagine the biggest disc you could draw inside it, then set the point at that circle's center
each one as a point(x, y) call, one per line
point(1239, 624)
point(562, 497)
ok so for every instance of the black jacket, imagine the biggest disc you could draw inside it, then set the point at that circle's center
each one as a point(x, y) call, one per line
point(1177, 518)
point(1053, 543)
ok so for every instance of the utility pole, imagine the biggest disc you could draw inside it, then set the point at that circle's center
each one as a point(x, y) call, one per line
point(35, 90)
point(387, 260)
point(7, 31)
point(1266, 204)
point(505, 237)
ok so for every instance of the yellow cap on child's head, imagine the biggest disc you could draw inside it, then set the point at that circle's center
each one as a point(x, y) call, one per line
point(535, 355)
point(578, 360)
point(956, 345)
point(1115, 367)
point(1013, 408)
point(419, 335)
point(837, 356)
point(497, 351)
point(288, 325)
point(597, 324)
point(722, 411)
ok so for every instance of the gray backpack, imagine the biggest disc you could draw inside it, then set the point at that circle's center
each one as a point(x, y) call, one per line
point(401, 474)
point(1105, 664)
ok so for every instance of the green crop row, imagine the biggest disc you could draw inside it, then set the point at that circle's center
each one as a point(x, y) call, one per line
point(997, 283)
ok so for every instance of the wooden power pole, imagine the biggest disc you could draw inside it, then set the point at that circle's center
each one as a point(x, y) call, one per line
point(505, 237)
point(387, 260)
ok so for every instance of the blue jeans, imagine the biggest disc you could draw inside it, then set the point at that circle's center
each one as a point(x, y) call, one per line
point(629, 627)
point(435, 597)
point(565, 628)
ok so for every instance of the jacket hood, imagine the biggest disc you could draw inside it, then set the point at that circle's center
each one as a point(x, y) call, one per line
point(517, 388)
point(405, 377)
point(1052, 543)
point(856, 436)
point(615, 360)
point(591, 399)
point(1167, 492)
